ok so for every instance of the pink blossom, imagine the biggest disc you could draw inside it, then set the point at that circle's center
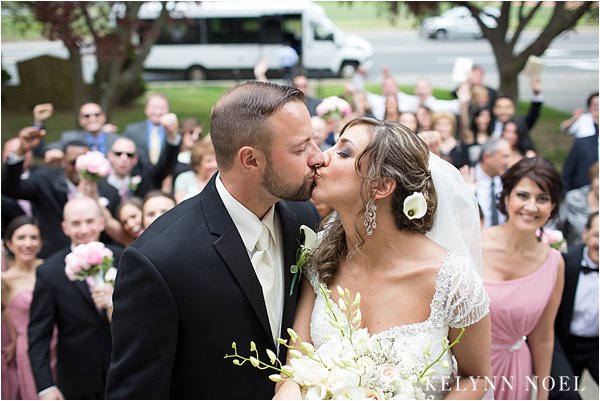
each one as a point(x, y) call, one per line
point(93, 164)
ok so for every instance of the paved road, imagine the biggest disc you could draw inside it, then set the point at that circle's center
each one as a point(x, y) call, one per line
point(569, 76)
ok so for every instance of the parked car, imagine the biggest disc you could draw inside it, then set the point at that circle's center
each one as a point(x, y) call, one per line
point(458, 22)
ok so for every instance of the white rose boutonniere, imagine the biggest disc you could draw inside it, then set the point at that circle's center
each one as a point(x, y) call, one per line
point(310, 241)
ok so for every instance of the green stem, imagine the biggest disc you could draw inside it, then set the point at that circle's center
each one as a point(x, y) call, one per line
point(444, 350)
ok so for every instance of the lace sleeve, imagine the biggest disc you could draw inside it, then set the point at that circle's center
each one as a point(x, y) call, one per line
point(313, 278)
point(467, 301)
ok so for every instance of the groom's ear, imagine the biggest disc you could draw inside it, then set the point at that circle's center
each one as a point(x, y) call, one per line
point(384, 188)
point(247, 156)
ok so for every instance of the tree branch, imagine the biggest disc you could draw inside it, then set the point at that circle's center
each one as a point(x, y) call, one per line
point(523, 21)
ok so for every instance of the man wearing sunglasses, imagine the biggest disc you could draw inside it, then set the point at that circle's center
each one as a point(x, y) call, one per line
point(129, 178)
point(91, 119)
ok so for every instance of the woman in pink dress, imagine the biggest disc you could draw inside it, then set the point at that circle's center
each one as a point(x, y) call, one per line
point(22, 238)
point(524, 279)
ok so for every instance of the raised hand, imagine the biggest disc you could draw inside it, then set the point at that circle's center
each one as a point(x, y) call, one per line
point(42, 112)
point(171, 124)
point(29, 138)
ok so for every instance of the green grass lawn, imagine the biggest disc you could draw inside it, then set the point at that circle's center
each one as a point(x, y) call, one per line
point(197, 100)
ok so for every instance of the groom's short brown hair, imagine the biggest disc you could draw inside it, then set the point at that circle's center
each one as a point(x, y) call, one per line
point(241, 117)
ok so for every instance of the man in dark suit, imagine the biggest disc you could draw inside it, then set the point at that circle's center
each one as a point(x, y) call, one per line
point(47, 188)
point(505, 109)
point(92, 119)
point(583, 153)
point(131, 179)
point(216, 268)
point(150, 135)
point(84, 343)
point(576, 325)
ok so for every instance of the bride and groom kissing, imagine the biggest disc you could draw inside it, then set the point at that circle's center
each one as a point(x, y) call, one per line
point(216, 269)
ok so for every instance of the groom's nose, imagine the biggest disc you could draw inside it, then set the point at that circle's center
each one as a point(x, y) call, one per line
point(316, 158)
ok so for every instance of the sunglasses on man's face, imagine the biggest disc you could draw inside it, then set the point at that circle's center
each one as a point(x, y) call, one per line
point(129, 155)
point(71, 162)
point(91, 114)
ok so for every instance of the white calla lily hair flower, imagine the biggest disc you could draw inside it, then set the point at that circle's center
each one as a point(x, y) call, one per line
point(415, 206)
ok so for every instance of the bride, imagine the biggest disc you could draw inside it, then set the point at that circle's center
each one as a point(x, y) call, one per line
point(414, 291)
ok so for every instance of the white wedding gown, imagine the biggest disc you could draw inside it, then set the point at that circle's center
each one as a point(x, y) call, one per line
point(459, 301)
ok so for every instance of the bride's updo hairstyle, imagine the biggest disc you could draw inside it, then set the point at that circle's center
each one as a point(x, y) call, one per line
point(394, 152)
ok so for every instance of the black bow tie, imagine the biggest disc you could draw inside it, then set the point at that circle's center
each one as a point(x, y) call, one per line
point(588, 270)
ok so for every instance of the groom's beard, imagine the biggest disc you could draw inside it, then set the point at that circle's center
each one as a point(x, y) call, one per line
point(277, 186)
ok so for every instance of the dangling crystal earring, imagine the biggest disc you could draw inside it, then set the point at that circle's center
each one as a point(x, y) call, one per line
point(370, 217)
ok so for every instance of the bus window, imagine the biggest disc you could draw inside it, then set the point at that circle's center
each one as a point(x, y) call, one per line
point(233, 30)
point(271, 30)
point(321, 33)
point(180, 31)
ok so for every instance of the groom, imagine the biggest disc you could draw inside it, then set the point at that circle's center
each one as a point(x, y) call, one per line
point(200, 277)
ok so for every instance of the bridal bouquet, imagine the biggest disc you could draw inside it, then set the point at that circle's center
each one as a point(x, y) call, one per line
point(94, 260)
point(93, 165)
point(333, 107)
point(352, 364)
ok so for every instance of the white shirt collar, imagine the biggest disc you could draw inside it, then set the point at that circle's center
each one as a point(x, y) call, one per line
point(117, 182)
point(247, 223)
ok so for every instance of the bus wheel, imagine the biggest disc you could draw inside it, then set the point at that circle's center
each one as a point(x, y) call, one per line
point(348, 69)
point(196, 73)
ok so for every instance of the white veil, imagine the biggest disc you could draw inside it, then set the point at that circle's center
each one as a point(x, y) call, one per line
point(457, 212)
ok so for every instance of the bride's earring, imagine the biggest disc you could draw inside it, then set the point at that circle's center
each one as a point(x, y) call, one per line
point(370, 217)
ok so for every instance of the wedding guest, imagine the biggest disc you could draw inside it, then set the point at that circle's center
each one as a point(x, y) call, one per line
point(92, 119)
point(127, 226)
point(504, 109)
point(197, 262)
point(204, 165)
point(12, 207)
point(320, 132)
point(150, 135)
point(518, 148)
point(392, 111)
point(475, 126)
point(155, 204)
point(524, 278)
point(84, 340)
point(493, 163)
point(433, 140)
point(450, 148)
point(577, 206)
point(576, 326)
point(583, 124)
point(300, 81)
point(367, 177)
point(191, 133)
point(424, 118)
point(23, 240)
point(47, 188)
point(583, 153)
point(129, 177)
point(409, 120)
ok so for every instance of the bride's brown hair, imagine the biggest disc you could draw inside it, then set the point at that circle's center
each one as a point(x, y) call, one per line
point(393, 153)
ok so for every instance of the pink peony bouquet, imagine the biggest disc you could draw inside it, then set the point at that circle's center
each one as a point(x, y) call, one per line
point(93, 165)
point(334, 108)
point(93, 259)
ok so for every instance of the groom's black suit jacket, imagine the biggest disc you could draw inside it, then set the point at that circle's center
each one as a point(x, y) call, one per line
point(84, 344)
point(186, 290)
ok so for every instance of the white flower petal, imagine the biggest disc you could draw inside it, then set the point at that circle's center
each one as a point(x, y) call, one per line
point(415, 206)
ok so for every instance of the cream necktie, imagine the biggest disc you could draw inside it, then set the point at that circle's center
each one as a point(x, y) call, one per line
point(265, 271)
point(154, 146)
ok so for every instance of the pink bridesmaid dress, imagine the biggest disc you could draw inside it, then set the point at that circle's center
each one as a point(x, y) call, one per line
point(10, 383)
point(515, 308)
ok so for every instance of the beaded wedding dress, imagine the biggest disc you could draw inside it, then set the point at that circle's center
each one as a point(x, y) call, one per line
point(459, 301)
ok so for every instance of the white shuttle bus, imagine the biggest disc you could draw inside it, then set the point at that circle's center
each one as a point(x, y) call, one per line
point(215, 38)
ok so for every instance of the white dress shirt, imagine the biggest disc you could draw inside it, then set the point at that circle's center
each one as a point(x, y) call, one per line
point(250, 228)
point(484, 196)
point(584, 322)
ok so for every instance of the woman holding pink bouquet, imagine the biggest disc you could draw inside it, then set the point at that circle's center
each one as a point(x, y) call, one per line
point(418, 284)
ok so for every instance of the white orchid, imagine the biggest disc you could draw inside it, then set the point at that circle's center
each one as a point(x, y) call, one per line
point(415, 206)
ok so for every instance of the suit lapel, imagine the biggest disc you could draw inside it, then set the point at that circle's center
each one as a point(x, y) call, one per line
point(233, 251)
point(83, 288)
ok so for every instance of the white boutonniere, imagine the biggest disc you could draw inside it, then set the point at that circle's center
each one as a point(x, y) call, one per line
point(415, 206)
point(310, 241)
point(135, 181)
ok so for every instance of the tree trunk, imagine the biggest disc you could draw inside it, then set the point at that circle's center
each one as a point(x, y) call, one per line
point(79, 89)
